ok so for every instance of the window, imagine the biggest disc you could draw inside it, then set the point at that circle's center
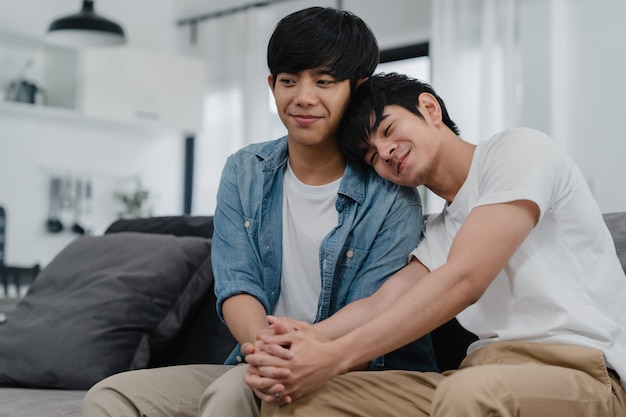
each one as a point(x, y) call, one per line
point(412, 60)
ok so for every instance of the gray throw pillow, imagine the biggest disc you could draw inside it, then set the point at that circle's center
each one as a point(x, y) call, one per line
point(97, 308)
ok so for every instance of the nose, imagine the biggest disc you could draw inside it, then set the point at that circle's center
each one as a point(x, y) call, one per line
point(387, 153)
point(305, 94)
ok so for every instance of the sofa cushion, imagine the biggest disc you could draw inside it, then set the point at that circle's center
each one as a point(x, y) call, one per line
point(617, 226)
point(28, 402)
point(100, 307)
point(201, 226)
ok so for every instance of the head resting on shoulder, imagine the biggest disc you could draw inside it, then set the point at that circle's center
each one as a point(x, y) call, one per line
point(365, 111)
point(323, 37)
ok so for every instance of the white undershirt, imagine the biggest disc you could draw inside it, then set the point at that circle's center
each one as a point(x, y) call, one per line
point(309, 214)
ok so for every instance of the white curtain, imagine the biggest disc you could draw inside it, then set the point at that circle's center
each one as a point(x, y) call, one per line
point(475, 63)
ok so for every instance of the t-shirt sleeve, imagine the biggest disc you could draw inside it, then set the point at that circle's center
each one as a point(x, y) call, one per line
point(525, 164)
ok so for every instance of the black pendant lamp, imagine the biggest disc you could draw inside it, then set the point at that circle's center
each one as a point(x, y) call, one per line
point(85, 29)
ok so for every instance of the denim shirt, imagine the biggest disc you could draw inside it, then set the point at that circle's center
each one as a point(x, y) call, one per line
point(379, 225)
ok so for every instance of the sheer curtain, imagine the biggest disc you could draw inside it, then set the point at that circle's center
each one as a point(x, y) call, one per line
point(475, 63)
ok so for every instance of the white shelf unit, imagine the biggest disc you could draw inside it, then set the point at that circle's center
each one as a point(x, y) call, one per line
point(122, 86)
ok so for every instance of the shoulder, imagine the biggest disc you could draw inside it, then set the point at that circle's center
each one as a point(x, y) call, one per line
point(362, 183)
point(262, 149)
point(521, 139)
point(519, 148)
point(274, 152)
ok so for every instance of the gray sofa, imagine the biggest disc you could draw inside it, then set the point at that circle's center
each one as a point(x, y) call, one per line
point(139, 296)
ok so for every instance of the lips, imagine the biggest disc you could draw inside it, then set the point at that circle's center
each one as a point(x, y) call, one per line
point(401, 163)
point(305, 119)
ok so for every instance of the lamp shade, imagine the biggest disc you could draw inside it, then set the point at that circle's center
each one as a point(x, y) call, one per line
point(84, 29)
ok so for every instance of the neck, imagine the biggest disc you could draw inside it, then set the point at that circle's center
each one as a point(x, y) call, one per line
point(452, 167)
point(316, 165)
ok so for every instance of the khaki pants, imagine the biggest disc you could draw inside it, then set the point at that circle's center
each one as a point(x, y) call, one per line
point(181, 391)
point(502, 379)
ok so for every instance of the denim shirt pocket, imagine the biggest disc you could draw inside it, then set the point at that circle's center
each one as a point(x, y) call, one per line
point(350, 261)
point(252, 227)
point(355, 282)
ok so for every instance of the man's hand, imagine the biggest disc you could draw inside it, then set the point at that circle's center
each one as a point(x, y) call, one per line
point(290, 365)
point(267, 388)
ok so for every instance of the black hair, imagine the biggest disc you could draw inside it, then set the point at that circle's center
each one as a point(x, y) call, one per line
point(323, 37)
point(365, 111)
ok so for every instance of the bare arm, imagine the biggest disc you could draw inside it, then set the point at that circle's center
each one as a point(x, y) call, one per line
point(361, 311)
point(489, 237)
point(245, 317)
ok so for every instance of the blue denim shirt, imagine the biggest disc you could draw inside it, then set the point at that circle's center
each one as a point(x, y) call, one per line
point(379, 225)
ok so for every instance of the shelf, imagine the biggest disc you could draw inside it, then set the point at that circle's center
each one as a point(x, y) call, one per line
point(63, 115)
point(121, 87)
point(13, 108)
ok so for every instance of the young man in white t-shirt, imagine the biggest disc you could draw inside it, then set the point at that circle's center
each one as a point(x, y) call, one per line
point(520, 255)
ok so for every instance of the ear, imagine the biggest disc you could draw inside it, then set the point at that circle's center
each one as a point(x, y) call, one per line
point(361, 81)
point(270, 82)
point(428, 105)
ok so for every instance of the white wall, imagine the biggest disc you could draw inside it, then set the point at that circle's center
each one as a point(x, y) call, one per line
point(35, 147)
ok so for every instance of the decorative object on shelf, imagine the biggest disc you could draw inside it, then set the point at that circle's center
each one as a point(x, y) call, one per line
point(25, 91)
point(70, 205)
point(85, 28)
point(136, 202)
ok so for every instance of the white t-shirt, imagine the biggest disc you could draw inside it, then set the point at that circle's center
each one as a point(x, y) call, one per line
point(570, 292)
point(309, 214)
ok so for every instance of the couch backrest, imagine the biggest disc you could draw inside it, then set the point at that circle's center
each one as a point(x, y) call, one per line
point(205, 339)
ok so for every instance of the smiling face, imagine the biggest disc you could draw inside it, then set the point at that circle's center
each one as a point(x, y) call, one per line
point(310, 104)
point(403, 147)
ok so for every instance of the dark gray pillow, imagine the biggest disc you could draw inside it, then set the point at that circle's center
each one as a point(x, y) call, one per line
point(98, 306)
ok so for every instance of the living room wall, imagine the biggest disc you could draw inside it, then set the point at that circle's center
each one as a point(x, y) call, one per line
point(572, 84)
point(37, 146)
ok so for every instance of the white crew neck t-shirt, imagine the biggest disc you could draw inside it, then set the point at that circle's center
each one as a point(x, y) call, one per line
point(309, 214)
point(570, 292)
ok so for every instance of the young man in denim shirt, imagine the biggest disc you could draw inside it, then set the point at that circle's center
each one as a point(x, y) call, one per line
point(298, 231)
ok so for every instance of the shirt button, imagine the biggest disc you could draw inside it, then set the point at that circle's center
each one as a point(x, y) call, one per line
point(247, 223)
point(349, 254)
point(238, 358)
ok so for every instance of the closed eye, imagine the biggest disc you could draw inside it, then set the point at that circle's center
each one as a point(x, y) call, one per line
point(372, 158)
point(387, 130)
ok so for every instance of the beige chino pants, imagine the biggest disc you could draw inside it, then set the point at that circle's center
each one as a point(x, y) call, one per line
point(502, 379)
point(181, 391)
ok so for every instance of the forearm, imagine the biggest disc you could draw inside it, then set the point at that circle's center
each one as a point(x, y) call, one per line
point(481, 248)
point(245, 317)
point(361, 311)
point(416, 313)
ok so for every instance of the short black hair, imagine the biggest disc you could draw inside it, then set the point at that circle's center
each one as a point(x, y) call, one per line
point(323, 37)
point(365, 111)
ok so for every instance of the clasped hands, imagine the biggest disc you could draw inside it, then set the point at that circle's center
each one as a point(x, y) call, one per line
point(288, 360)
